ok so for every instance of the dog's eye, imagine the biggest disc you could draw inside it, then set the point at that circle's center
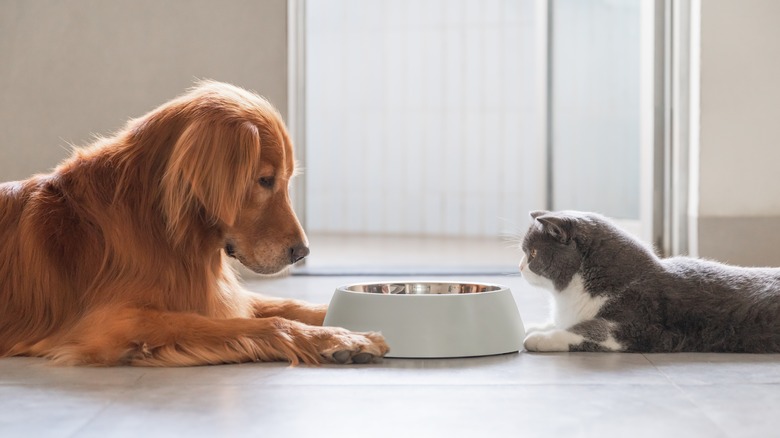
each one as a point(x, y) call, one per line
point(267, 182)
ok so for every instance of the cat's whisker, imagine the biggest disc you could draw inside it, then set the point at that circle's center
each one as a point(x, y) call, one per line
point(511, 240)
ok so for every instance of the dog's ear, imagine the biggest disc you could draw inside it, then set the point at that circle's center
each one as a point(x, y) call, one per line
point(212, 165)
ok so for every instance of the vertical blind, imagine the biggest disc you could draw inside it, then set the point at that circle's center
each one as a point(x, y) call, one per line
point(423, 116)
point(595, 106)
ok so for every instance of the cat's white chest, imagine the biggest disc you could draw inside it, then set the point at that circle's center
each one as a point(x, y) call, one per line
point(573, 304)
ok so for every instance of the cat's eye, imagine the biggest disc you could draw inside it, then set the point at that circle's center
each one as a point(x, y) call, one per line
point(266, 182)
point(532, 254)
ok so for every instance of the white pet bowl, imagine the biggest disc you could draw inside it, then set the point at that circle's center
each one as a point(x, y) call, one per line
point(432, 319)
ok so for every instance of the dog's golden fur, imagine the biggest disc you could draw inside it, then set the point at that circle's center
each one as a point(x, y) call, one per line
point(119, 255)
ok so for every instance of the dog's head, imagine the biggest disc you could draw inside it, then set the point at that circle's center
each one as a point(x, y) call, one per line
point(231, 163)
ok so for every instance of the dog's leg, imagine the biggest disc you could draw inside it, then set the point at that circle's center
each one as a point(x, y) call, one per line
point(154, 338)
point(307, 313)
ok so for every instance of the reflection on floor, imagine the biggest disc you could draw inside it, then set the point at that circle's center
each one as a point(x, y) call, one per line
point(520, 394)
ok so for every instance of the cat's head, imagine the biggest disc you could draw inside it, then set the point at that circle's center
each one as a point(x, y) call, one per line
point(552, 248)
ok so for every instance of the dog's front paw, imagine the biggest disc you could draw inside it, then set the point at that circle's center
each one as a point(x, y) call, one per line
point(553, 340)
point(346, 347)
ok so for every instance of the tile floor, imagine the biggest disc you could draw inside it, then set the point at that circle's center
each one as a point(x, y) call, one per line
point(521, 394)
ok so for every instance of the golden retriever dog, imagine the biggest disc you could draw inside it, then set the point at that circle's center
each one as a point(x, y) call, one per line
point(118, 257)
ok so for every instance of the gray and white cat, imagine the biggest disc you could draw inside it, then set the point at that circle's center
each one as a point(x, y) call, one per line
point(612, 293)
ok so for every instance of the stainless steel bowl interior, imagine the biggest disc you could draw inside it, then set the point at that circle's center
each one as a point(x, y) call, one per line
point(422, 288)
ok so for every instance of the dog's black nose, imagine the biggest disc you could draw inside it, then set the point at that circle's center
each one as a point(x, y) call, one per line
point(298, 252)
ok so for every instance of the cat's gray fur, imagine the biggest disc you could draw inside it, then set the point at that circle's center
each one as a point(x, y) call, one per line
point(654, 304)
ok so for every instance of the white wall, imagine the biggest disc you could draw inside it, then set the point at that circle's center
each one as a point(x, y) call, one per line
point(739, 151)
point(740, 108)
point(70, 69)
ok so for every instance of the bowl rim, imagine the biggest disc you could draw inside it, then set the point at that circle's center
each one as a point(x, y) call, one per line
point(344, 288)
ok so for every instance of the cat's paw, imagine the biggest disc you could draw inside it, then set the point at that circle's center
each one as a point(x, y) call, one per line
point(553, 340)
point(539, 328)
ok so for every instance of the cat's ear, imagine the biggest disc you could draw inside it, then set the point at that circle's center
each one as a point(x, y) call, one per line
point(536, 213)
point(558, 227)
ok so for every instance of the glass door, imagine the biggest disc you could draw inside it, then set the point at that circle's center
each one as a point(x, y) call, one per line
point(432, 127)
point(595, 109)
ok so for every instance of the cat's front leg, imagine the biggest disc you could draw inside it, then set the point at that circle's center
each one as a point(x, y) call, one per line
point(552, 340)
point(591, 335)
point(547, 326)
point(598, 335)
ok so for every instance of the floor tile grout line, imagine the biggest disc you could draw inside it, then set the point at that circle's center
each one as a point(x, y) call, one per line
point(94, 417)
point(125, 387)
point(687, 396)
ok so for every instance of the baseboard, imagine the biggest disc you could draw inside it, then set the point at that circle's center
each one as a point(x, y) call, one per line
point(404, 271)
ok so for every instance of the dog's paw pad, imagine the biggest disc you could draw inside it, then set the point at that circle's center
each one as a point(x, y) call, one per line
point(362, 358)
point(346, 356)
point(342, 356)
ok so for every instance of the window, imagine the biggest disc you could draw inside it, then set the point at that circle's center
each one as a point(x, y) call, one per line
point(434, 126)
